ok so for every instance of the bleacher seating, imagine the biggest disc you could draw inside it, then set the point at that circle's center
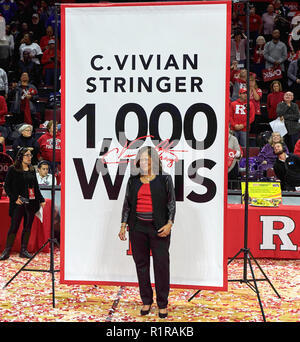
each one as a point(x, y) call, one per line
point(253, 151)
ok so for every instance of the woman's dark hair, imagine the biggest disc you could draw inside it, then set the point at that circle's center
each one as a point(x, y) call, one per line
point(152, 153)
point(19, 158)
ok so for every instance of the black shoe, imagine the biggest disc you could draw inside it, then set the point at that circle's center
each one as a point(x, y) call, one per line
point(145, 312)
point(24, 254)
point(162, 315)
point(5, 254)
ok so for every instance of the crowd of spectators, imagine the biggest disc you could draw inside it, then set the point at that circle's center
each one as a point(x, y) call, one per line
point(27, 79)
point(27, 65)
point(274, 82)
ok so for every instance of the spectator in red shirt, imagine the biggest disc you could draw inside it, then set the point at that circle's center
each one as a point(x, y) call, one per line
point(255, 94)
point(3, 110)
point(255, 23)
point(239, 82)
point(48, 62)
point(234, 71)
point(45, 39)
point(273, 98)
point(255, 98)
point(297, 148)
point(238, 116)
point(46, 145)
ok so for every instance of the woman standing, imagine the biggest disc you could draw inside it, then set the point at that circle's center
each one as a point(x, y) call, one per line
point(274, 97)
point(238, 48)
point(24, 105)
point(25, 200)
point(258, 60)
point(149, 211)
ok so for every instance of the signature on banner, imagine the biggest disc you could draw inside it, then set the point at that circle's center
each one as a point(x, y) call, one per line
point(123, 155)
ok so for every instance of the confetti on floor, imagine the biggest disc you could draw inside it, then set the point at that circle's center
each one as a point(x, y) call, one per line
point(28, 298)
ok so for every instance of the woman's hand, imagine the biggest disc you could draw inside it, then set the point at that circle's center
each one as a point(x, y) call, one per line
point(165, 230)
point(42, 204)
point(18, 201)
point(122, 233)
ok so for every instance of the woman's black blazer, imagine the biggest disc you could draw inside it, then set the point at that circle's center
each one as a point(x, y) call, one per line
point(163, 200)
point(15, 186)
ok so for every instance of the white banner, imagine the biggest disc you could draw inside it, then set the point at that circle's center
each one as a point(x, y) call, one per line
point(156, 75)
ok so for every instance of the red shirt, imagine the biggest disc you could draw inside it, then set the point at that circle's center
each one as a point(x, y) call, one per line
point(48, 58)
point(46, 146)
point(297, 148)
point(256, 102)
point(238, 113)
point(258, 54)
point(234, 75)
point(144, 199)
point(254, 22)
point(3, 110)
point(44, 42)
point(272, 101)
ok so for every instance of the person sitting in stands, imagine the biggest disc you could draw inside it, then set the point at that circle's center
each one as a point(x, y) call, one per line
point(26, 140)
point(274, 97)
point(287, 168)
point(43, 176)
point(46, 145)
point(267, 157)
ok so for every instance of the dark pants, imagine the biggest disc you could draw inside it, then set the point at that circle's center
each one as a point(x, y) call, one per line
point(290, 141)
point(21, 211)
point(142, 241)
